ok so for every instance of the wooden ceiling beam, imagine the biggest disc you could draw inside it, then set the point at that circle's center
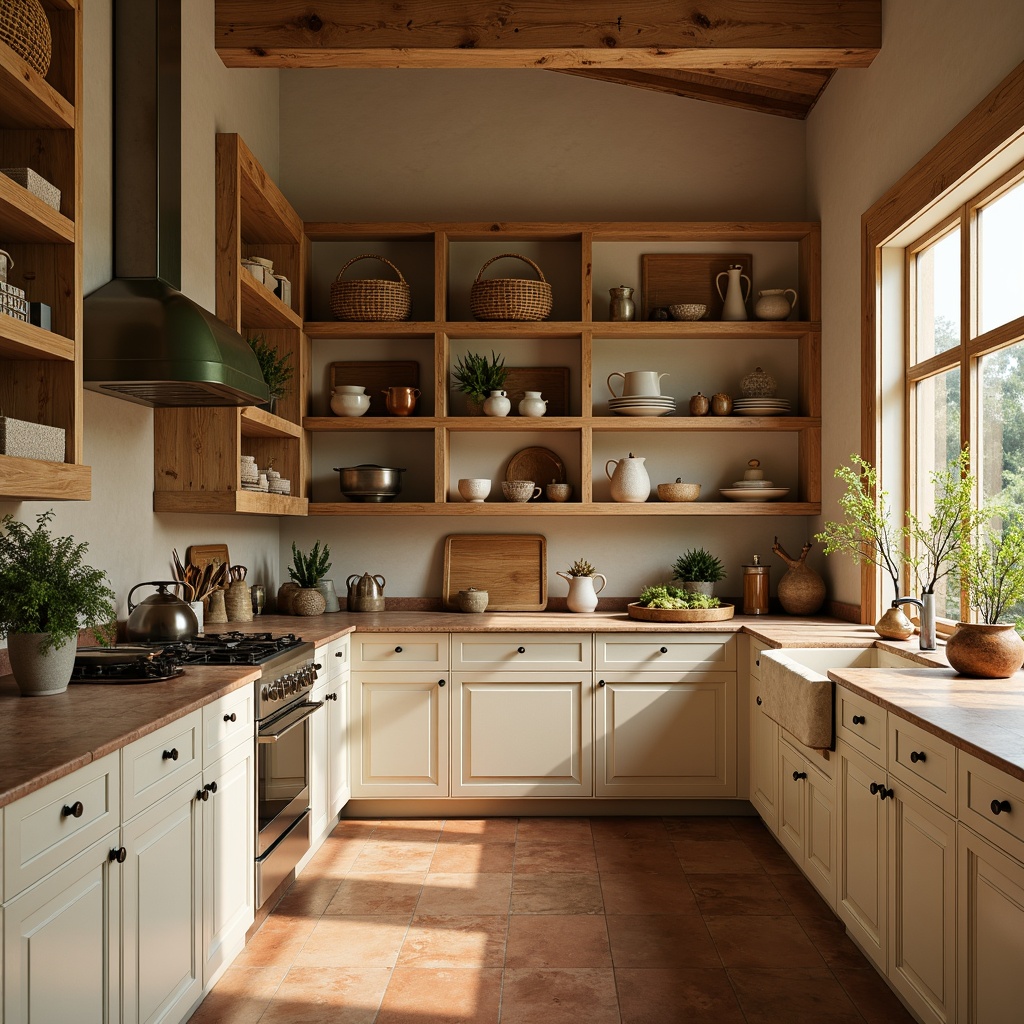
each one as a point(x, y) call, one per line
point(651, 35)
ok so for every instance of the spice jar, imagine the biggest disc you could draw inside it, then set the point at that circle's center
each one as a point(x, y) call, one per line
point(756, 587)
point(699, 405)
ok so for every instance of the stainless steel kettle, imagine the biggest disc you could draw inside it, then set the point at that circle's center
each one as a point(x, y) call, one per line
point(161, 617)
point(366, 593)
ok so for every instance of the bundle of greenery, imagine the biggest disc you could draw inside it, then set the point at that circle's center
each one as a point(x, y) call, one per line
point(673, 597)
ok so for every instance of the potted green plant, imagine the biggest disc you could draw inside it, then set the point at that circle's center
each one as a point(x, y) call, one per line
point(476, 377)
point(699, 571)
point(276, 368)
point(990, 568)
point(47, 594)
point(582, 594)
point(306, 571)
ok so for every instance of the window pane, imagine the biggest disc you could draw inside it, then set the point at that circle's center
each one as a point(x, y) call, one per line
point(1001, 423)
point(937, 435)
point(1001, 259)
point(937, 271)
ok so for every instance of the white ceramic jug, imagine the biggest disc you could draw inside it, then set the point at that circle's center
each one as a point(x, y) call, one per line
point(532, 404)
point(734, 298)
point(637, 383)
point(497, 404)
point(582, 595)
point(630, 481)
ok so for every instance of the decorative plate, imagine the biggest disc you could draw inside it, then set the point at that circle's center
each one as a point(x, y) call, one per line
point(541, 465)
point(753, 493)
point(638, 611)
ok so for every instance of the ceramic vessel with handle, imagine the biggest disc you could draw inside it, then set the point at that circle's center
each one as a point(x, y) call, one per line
point(637, 383)
point(630, 481)
point(774, 303)
point(365, 593)
point(582, 592)
point(734, 297)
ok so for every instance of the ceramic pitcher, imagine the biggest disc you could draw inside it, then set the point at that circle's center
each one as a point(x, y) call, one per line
point(637, 383)
point(630, 481)
point(734, 297)
point(582, 595)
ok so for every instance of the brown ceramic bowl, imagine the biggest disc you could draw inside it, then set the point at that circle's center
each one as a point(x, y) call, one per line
point(678, 492)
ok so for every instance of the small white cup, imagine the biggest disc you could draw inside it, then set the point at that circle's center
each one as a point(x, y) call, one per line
point(474, 488)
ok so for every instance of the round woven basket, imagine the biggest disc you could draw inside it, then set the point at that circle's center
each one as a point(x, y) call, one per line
point(370, 299)
point(510, 298)
point(24, 28)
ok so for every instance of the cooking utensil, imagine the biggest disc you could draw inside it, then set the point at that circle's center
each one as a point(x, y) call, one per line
point(161, 616)
point(511, 567)
point(369, 482)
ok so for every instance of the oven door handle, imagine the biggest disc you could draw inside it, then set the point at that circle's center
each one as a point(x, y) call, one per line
point(307, 711)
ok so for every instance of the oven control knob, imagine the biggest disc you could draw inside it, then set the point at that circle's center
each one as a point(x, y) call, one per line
point(264, 692)
point(274, 693)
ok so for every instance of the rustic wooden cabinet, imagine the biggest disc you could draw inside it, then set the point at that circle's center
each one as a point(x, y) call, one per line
point(41, 370)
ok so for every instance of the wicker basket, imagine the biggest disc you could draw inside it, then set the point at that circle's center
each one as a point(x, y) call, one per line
point(370, 299)
point(510, 298)
point(24, 28)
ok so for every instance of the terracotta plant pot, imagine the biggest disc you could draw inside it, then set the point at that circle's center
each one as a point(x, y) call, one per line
point(985, 651)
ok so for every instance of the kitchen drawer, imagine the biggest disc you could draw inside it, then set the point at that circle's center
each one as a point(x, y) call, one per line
point(42, 831)
point(227, 722)
point(339, 656)
point(157, 764)
point(756, 647)
point(992, 803)
point(823, 761)
point(522, 652)
point(407, 652)
point(924, 762)
point(861, 724)
point(666, 652)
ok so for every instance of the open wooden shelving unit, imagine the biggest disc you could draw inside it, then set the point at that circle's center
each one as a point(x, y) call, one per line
point(583, 332)
point(41, 371)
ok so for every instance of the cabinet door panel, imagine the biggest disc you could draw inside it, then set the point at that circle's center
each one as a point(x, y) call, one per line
point(319, 769)
point(522, 736)
point(521, 651)
point(338, 745)
point(764, 765)
point(155, 765)
point(792, 802)
point(819, 862)
point(658, 735)
point(404, 652)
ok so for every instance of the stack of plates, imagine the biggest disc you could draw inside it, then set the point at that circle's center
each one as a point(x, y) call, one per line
point(753, 490)
point(760, 406)
point(642, 405)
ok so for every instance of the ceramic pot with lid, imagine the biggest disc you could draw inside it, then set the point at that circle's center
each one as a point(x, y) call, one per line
point(365, 593)
point(161, 617)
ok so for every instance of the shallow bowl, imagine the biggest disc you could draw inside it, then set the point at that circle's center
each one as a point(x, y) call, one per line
point(349, 389)
point(678, 492)
point(688, 310)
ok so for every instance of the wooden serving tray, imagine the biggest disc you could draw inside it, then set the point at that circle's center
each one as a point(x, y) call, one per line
point(512, 568)
point(376, 377)
point(667, 278)
point(724, 611)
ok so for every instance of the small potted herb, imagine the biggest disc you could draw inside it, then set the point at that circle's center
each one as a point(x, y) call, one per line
point(582, 594)
point(476, 377)
point(699, 571)
point(306, 571)
point(277, 369)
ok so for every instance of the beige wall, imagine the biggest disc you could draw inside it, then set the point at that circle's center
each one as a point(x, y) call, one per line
point(938, 61)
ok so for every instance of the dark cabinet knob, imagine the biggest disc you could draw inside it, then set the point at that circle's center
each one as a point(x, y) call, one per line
point(231, 718)
point(998, 806)
point(797, 776)
point(875, 787)
point(663, 650)
point(878, 789)
point(600, 682)
point(203, 794)
point(331, 696)
point(339, 654)
point(211, 787)
point(440, 682)
point(758, 701)
point(859, 719)
point(171, 755)
point(76, 810)
point(917, 755)
point(398, 650)
point(317, 666)
point(120, 854)
point(520, 650)
point(757, 662)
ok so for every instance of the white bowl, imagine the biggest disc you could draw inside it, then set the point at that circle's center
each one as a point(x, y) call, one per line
point(349, 405)
point(349, 389)
point(474, 488)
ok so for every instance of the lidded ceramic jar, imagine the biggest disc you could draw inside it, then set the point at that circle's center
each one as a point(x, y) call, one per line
point(758, 384)
point(699, 405)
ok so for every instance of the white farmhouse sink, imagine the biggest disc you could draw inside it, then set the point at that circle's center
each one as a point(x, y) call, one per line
point(796, 691)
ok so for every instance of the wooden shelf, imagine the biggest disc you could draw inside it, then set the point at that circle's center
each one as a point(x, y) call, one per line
point(34, 480)
point(26, 218)
point(20, 340)
point(29, 100)
point(602, 424)
point(262, 308)
point(244, 502)
point(569, 508)
point(258, 422)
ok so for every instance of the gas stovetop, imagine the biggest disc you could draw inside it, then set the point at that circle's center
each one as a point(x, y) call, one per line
point(158, 662)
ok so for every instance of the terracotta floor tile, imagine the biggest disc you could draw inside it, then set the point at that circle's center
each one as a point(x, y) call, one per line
point(694, 995)
point(867, 990)
point(720, 857)
point(312, 995)
point(837, 949)
point(277, 943)
point(559, 996)
point(719, 895)
point(633, 855)
point(441, 996)
point(409, 830)
point(572, 892)
point(557, 940)
point(750, 825)
point(381, 855)
point(334, 858)
point(307, 897)
point(751, 941)
point(533, 856)
point(793, 994)
point(803, 899)
point(479, 830)
point(635, 893)
point(459, 893)
point(700, 827)
point(339, 941)
point(661, 940)
point(467, 941)
point(381, 893)
point(354, 828)
point(241, 995)
point(559, 830)
point(477, 857)
point(648, 829)
point(771, 856)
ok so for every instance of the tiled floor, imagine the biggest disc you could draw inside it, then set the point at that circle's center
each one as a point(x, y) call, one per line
point(551, 921)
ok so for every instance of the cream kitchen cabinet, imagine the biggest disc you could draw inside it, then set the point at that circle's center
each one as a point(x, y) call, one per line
point(329, 783)
point(764, 748)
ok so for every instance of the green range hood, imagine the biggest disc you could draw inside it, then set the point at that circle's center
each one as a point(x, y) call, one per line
point(143, 339)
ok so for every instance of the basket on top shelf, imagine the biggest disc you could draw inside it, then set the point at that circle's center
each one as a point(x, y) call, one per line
point(371, 299)
point(25, 29)
point(510, 298)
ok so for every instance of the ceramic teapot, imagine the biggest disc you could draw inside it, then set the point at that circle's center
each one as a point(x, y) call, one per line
point(630, 481)
point(365, 593)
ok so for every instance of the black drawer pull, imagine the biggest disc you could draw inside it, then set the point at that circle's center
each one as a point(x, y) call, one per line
point(317, 666)
point(398, 650)
point(331, 696)
point(120, 854)
point(757, 662)
point(211, 787)
point(203, 794)
point(440, 682)
point(520, 650)
point(76, 810)
point(797, 776)
point(917, 755)
point(878, 789)
point(859, 719)
point(231, 718)
point(339, 654)
point(1000, 806)
point(758, 701)
point(600, 682)
point(171, 755)
point(663, 650)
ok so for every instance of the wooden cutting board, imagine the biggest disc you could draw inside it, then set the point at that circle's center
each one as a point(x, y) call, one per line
point(512, 568)
point(376, 377)
point(667, 278)
point(200, 555)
